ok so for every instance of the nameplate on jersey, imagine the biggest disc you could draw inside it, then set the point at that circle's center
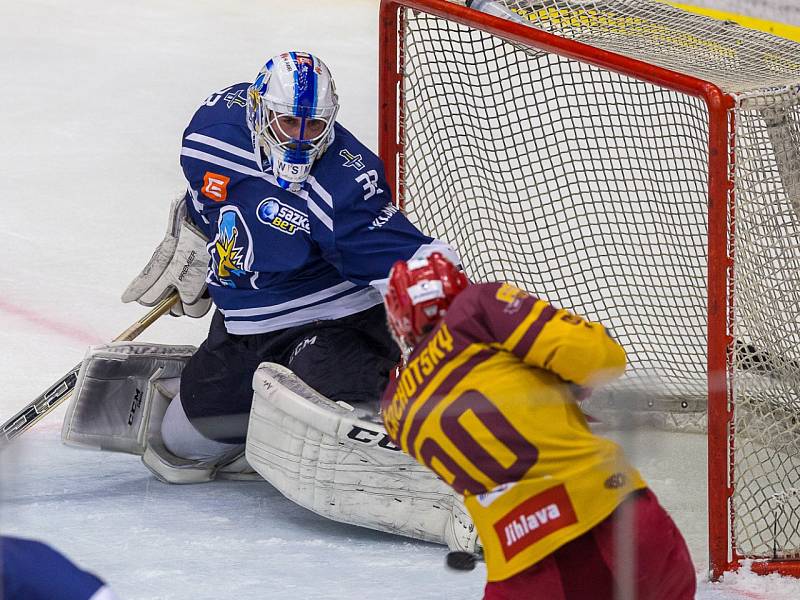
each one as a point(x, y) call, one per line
point(282, 217)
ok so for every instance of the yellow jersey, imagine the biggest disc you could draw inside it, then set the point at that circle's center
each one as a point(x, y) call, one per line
point(488, 402)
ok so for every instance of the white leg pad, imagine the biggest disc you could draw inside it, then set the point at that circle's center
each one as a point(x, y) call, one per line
point(319, 454)
point(173, 469)
point(121, 393)
point(199, 459)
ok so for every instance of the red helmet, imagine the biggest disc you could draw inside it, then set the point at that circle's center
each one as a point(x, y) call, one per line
point(419, 294)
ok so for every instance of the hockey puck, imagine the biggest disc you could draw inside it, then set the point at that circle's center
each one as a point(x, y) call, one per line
point(461, 561)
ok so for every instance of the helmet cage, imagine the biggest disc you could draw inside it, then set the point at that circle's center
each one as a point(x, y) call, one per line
point(298, 85)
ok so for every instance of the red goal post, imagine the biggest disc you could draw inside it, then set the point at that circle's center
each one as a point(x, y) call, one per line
point(459, 179)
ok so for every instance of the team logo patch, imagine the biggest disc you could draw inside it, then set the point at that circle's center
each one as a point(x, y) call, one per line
point(352, 160)
point(535, 519)
point(215, 186)
point(237, 99)
point(232, 250)
point(282, 217)
point(512, 296)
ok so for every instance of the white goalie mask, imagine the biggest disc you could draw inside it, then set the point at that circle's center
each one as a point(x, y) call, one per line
point(291, 109)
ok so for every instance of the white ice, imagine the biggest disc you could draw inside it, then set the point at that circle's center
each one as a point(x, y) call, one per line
point(95, 95)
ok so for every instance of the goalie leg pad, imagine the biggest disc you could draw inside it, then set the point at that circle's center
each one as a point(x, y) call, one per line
point(173, 469)
point(321, 455)
point(121, 393)
point(198, 459)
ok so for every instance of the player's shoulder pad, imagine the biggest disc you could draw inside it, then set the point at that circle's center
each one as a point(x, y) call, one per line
point(490, 298)
point(466, 315)
point(468, 303)
point(216, 155)
point(489, 312)
point(228, 105)
point(476, 293)
point(347, 166)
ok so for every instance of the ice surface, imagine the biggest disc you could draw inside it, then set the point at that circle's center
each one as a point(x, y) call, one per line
point(95, 97)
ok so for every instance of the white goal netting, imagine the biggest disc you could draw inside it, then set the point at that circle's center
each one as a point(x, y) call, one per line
point(591, 189)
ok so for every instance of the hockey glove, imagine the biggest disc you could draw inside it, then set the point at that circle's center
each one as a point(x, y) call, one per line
point(180, 263)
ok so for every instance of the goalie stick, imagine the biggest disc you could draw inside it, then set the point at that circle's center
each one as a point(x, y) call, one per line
point(48, 400)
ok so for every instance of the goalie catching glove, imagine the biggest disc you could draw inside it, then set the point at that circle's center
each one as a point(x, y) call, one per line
point(180, 263)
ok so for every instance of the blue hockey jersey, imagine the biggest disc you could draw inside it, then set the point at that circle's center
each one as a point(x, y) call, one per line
point(278, 258)
point(32, 570)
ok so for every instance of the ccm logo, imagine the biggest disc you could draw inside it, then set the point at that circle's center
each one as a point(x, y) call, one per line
point(371, 438)
point(135, 404)
point(215, 186)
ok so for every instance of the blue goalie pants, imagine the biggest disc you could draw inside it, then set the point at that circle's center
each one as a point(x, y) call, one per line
point(345, 359)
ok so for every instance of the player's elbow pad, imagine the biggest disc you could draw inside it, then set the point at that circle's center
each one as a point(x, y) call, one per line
point(589, 365)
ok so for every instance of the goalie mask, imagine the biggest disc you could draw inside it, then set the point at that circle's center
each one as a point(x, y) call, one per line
point(419, 294)
point(291, 108)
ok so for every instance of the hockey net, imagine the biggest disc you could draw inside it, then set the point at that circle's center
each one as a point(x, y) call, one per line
point(641, 166)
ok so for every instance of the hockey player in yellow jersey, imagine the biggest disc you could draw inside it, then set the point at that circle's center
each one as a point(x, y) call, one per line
point(488, 399)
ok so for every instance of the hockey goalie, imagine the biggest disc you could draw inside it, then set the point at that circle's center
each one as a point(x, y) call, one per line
point(287, 227)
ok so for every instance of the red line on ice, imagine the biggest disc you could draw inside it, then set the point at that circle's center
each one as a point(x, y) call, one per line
point(62, 329)
point(749, 594)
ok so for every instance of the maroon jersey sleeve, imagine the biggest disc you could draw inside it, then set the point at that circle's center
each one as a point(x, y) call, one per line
point(499, 313)
point(542, 336)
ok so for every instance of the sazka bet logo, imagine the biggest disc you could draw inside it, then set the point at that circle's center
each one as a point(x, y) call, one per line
point(282, 217)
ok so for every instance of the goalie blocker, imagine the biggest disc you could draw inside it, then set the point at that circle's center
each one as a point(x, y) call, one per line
point(121, 395)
